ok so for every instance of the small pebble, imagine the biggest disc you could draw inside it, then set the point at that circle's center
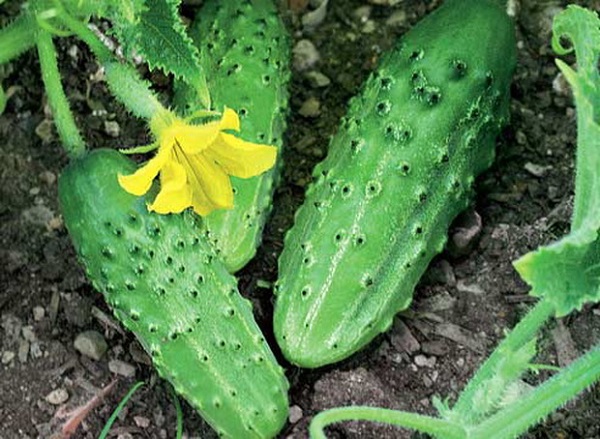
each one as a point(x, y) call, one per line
point(537, 170)
point(397, 19)
point(317, 79)
point(296, 414)
point(28, 334)
point(48, 177)
point(38, 215)
point(45, 130)
point(423, 361)
point(305, 54)
point(122, 368)
point(467, 231)
point(23, 351)
point(91, 344)
point(57, 397)
point(112, 128)
point(310, 108)
point(463, 287)
point(38, 313)
point(435, 347)
point(7, 357)
point(141, 421)
point(403, 339)
point(369, 27)
point(363, 13)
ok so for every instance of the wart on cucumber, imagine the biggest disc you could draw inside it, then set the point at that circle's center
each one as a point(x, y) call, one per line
point(400, 168)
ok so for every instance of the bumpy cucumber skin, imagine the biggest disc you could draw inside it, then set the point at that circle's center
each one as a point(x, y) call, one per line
point(167, 286)
point(400, 168)
point(244, 50)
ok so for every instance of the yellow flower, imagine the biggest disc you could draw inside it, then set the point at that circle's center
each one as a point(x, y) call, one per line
point(195, 162)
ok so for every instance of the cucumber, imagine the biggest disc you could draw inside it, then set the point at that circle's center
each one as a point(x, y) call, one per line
point(165, 284)
point(399, 169)
point(245, 53)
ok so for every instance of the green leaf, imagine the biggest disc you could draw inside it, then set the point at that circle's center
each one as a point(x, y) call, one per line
point(567, 273)
point(160, 38)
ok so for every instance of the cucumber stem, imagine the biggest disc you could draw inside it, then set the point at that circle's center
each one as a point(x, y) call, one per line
point(17, 37)
point(424, 424)
point(122, 78)
point(544, 399)
point(521, 334)
point(63, 117)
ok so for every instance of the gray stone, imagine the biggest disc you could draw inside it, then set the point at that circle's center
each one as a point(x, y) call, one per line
point(57, 396)
point(38, 313)
point(38, 215)
point(317, 79)
point(310, 108)
point(91, 344)
point(296, 414)
point(402, 339)
point(423, 361)
point(7, 357)
point(112, 128)
point(122, 368)
point(398, 18)
point(305, 54)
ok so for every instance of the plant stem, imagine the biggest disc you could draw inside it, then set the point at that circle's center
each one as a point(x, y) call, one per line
point(63, 117)
point(115, 413)
point(425, 424)
point(122, 78)
point(524, 332)
point(545, 398)
point(17, 37)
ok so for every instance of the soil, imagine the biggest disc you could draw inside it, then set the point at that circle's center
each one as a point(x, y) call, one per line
point(465, 302)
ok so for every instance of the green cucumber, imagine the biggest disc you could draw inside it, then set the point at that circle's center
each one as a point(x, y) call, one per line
point(399, 169)
point(245, 53)
point(165, 284)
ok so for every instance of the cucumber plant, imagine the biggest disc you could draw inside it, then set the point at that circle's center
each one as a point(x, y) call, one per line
point(159, 275)
point(244, 50)
point(400, 168)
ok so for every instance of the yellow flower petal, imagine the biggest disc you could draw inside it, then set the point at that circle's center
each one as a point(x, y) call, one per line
point(230, 120)
point(212, 180)
point(193, 139)
point(240, 158)
point(140, 181)
point(175, 194)
point(201, 204)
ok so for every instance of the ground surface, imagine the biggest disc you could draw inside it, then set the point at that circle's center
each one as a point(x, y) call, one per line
point(461, 307)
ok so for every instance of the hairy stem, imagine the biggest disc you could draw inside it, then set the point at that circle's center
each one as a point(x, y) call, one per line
point(124, 81)
point(17, 37)
point(521, 334)
point(424, 424)
point(63, 117)
point(544, 399)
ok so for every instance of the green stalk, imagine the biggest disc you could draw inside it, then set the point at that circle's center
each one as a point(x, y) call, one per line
point(122, 78)
point(544, 399)
point(425, 424)
point(465, 408)
point(17, 37)
point(63, 117)
point(115, 413)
